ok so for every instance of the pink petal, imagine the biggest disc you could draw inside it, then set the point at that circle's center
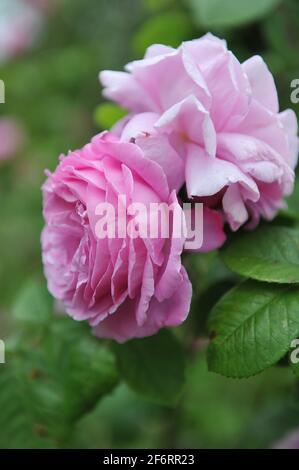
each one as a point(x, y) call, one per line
point(290, 124)
point(132, 156)
point(169, 276)
point(206, 176)
point(155, 147)
point(157, 50)
point(137, 258)
point(147, 292)
point(122, 88)
point(156, 75)
point(172, 311)
point(213, 232)
point(122, 325)
point(142, 123)
point(158, 149)
point(192, 121)
point(262, 83)
point(263, 125)
point(256, 158)
point(230, 91)
point(234, 207)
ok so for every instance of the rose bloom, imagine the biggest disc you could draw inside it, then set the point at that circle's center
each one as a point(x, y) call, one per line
point(237, 152)
point(11, 137)
point(124, 287)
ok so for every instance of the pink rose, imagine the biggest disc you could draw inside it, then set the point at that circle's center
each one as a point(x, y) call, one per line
point(236, 152)
point(11, 138)
point(124, 287)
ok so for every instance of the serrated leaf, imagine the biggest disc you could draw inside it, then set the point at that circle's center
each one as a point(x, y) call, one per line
point(228, 13)
point(252, 327)
point(107, 114)
point(153, 367)
point(47, 387)
point(268, 254)
point(18, 421)
point(84, 364)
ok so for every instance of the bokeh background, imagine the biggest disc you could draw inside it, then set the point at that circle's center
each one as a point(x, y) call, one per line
point(50, 67)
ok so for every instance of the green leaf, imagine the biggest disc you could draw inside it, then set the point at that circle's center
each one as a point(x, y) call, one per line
point(18, 421)
point(228, 13)
point(107, 114)
point(252, 327)
point(47, 387)
point(268, 254)
point(168, 28)
point(153, 367)
point(79, 362)
point(293, 203)
point(276, 31)
point(33, 303)
point(206, 302)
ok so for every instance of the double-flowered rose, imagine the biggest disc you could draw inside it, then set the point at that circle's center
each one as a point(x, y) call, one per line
point(219, 124)
point(124, 286)
point(198, 120)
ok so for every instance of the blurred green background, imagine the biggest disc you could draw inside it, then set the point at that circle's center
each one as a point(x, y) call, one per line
point(53, 91)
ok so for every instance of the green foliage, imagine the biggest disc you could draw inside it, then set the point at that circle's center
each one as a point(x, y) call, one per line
point(154, 367)
point(33, 304)
point(44, 391)
point(293, 204)
point(59, 386)
point(156, 5)
point(107, 114)
point(155, 31)
point(229, 13)
point(295, 368)
point(294, 356)
point(252, 327)
point(207, 300)
point(19, 423)
point(250, 412)
point(50, 379)
point(280, 31)
point(268, 254)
